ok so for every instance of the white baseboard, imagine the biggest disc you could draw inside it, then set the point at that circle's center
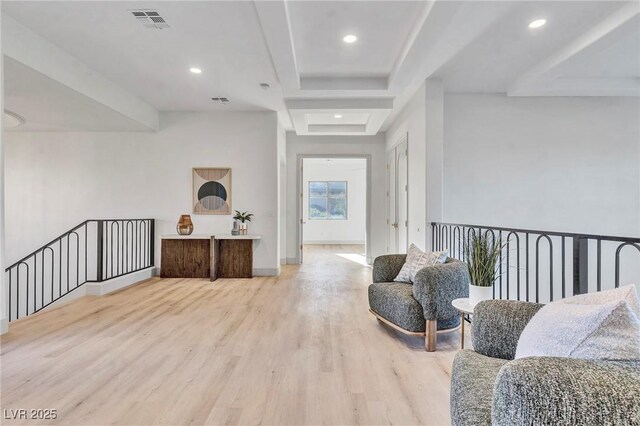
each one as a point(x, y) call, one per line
point(283, 261)
point(106, 287)
point(266, 272)
point(334, 242)
point(293, 261)
point(94, 289)
point(75, 294)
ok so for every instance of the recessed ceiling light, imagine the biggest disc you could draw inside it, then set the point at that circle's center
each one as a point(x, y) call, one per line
point(195, 70)
point(537, 23)
point(350, 38)
point(337, 116)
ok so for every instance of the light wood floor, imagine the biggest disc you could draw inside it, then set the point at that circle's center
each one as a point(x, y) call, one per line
point(298, 349)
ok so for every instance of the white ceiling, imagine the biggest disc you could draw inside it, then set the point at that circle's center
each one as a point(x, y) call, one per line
point(224, 39)
point(587, 48)
point(347, 161)
point(346, 118)
point(504, 52)
point(615, 61)
point(47, 105)
point(318, 27)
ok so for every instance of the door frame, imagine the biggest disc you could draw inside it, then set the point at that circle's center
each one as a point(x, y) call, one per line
point(392, 151)
point(300, 193)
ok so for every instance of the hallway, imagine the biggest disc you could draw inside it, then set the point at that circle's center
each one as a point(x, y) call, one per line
point(298, 349)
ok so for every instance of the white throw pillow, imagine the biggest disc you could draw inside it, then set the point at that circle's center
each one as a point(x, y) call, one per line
point(418, 259)
point(604, 325)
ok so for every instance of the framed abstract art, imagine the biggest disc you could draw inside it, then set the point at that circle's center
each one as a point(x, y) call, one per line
point(211, 190)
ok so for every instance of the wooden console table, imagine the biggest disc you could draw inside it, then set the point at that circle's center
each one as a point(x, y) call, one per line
point(207, 256)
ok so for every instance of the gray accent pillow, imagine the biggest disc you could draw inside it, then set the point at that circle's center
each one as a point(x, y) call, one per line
point(603, 325)
point(416, 260)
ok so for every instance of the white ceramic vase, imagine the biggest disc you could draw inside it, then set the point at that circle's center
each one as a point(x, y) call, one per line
point(477, 294)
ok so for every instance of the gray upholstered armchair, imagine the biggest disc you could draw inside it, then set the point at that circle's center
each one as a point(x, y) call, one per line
point(421, 308)
point(489, 387)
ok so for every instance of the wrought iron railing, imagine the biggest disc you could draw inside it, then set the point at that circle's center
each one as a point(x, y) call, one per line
point(542, 265)
point(94, 251)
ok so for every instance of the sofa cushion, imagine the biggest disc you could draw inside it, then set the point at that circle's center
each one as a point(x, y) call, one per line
point(602, 325)
point(472, 379)
point(394, 302)
point(416, 260)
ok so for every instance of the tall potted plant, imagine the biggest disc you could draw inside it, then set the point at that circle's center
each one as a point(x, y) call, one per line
point(482, 252)
point(243, 218)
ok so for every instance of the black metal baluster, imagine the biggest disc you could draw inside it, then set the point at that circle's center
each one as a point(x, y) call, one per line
point(42, 276)
point(100, 251)
point(68, 243)
point(86, 256)
point(35, 281)
point(18, 292)
point(563, 270)
point(143, 244)
point(518, 264)
point(433, 240)
point(10, 282)
point(527, 265)
point(60, 267)
point(500, 265)
point(599, 265)
point(508, 265)
point(77, 257)
point(111, 249)
point(121, 233)
point(126, 244)
point(152, 242)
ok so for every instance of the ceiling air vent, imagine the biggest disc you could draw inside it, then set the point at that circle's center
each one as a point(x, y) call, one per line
point(150, 18)
point(221, 100)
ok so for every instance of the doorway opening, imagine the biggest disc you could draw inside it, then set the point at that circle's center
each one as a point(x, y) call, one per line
point(334, 207)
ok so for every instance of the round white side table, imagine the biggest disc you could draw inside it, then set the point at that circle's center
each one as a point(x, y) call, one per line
point(465, 308)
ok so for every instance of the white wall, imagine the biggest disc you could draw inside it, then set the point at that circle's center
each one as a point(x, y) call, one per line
point(373, 146)
point(564, 164)
point(349, 231)
point(411, 121)
point(57, 180)
point(4, 296)
point(552, 164)
point(434, 111)
point(282, 193)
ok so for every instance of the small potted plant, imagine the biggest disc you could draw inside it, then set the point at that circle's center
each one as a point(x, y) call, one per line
point(243, 218)
point(482, 252)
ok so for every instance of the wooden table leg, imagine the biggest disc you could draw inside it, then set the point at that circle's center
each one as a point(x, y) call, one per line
point(214, 258)
point(462, 337)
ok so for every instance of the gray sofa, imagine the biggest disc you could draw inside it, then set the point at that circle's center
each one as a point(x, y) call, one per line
point(420, 308)
point(489, 387)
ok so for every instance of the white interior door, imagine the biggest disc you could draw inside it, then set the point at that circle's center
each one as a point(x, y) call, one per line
point(392, 240)
point(397, 198)
point(402, 197)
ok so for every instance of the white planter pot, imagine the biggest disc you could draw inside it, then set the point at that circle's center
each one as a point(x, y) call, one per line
point(478, 294)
